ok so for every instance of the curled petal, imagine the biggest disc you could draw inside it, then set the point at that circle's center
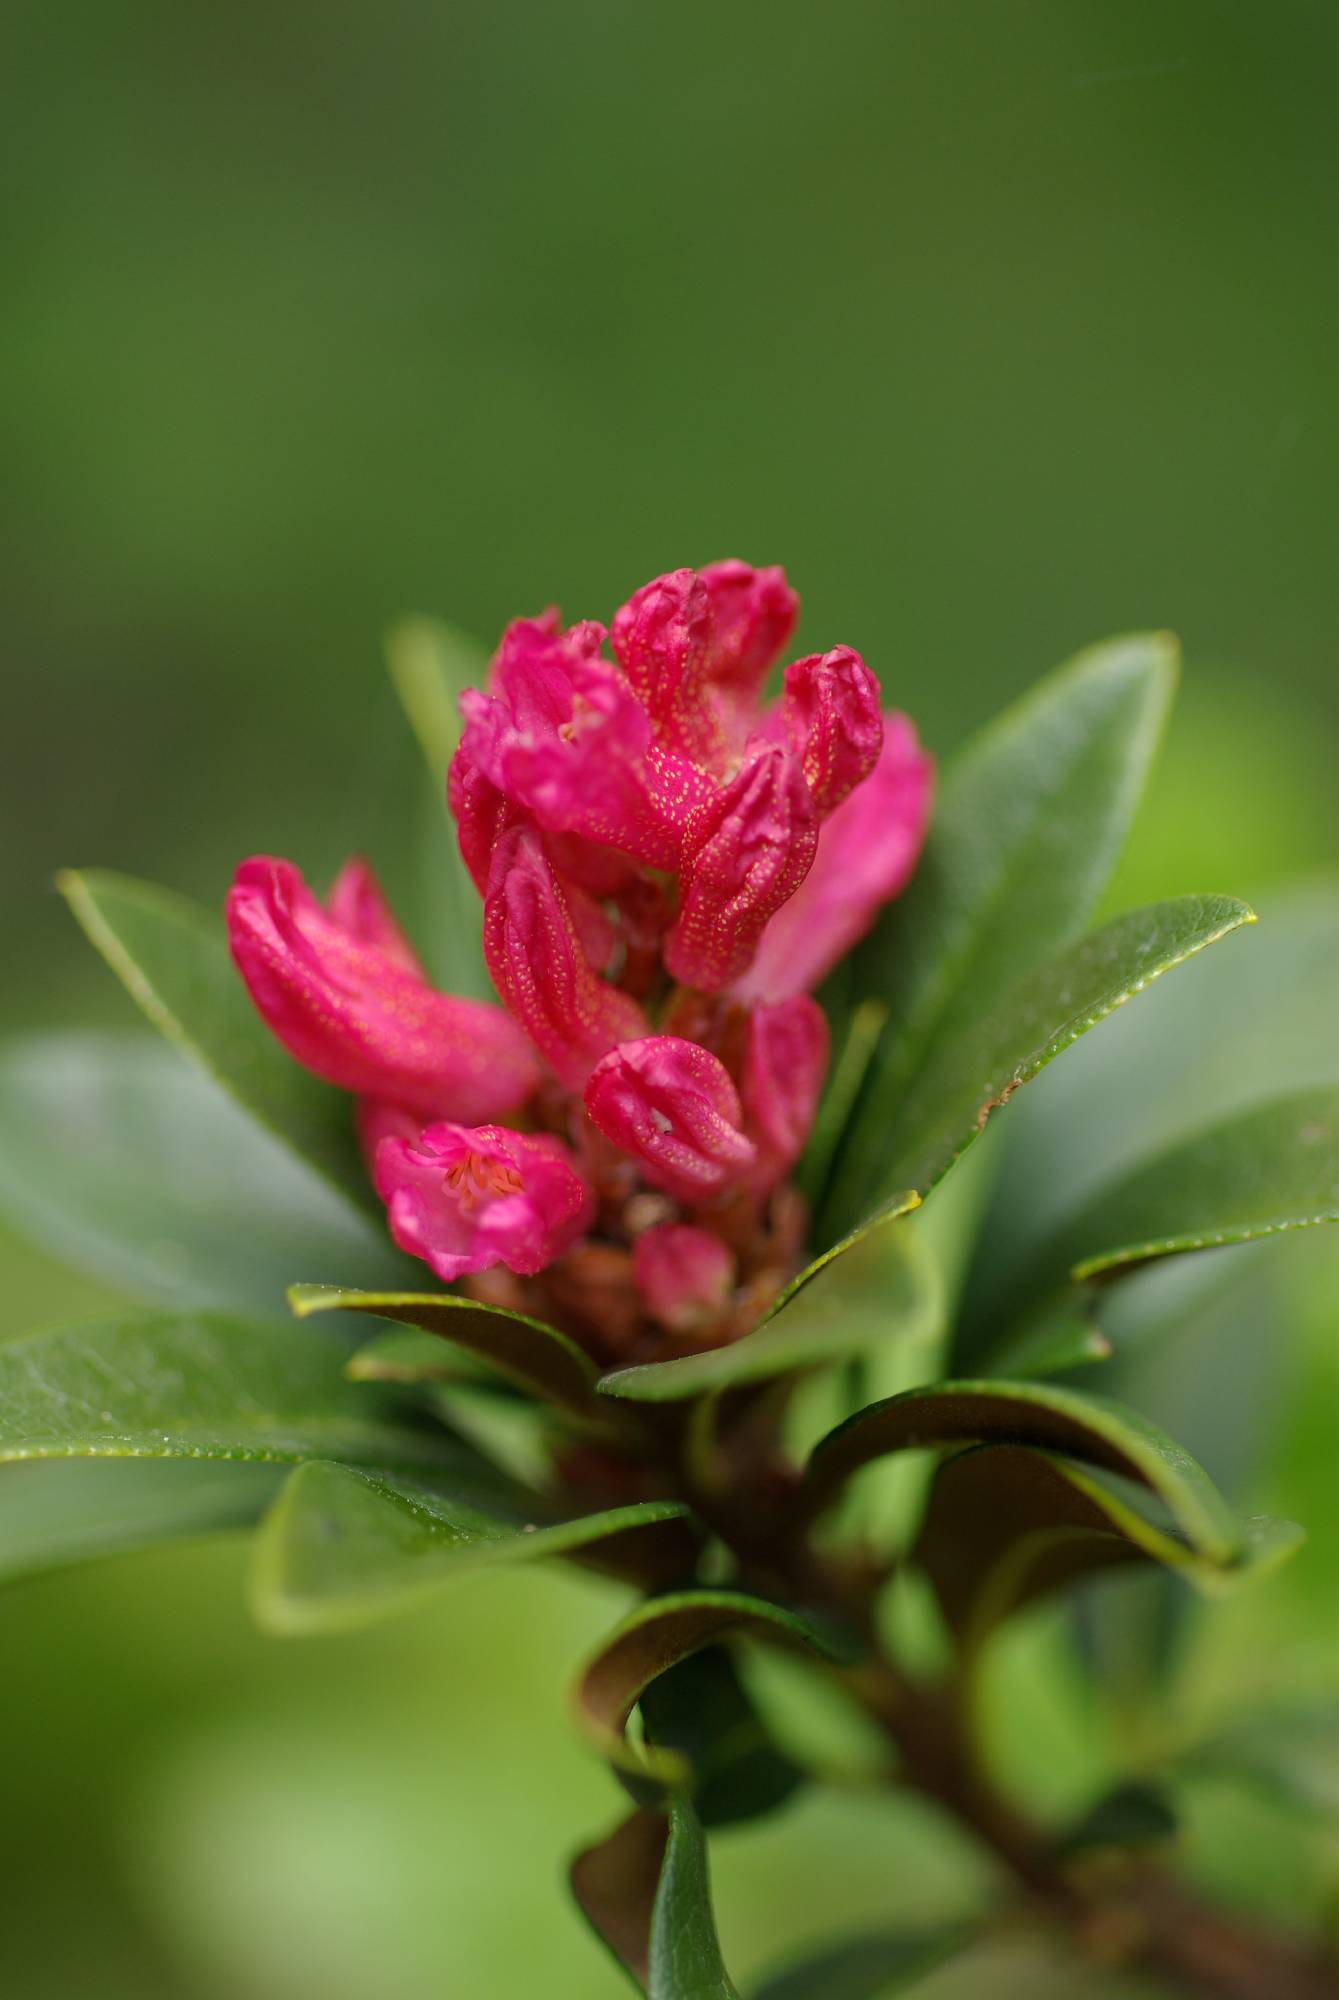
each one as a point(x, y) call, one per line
point(467, 1198)
point(356, 901)
point(539, 965)
point(785, 1063)
point(350, 1012)
point(831, 710)
point(662, 639)
point(866, 852)
point(481, 813)
point(745, 852)
point(753, 615)
point(672, 1106)
point(684, 1275)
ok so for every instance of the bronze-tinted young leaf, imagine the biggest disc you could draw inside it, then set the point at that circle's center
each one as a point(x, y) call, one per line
point(701, 1709)
point(685, 1960)
point(343, 1547)
point(121, 1159)
point(527, 1352)
point(1029, 821)
point(200, 1385)
point(57, 1512)
point(873, 1965)
point(1090, 1429)
point(614, 1884)
point(877, 1286)
point(172, 957)
point(654, 1638)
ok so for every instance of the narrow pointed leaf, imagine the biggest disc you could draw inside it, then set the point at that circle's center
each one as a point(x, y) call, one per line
point(118, 1158)
point(342, 1548)
point(878, 1286)
point(411, 1357)
point(527, 1352)
point(1090, 1429)
point(56, 1513)
point(872, 1966)
point(685, 1954)
point(172, 957)
point(200, 1385)
point(653, 1639)
point(1030, 819)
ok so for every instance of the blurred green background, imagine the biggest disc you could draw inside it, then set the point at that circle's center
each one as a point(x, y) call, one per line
point(1005, 324)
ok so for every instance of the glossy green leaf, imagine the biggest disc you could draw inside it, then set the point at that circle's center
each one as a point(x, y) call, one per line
point(172, 957)
point(701, 1709)
point(1012, 1036)
point(57, 1512)
point(342, 1548)
point(527, 1352)
point(1029, 821)
point(1090, 1429)
point(653, 1639)
point(685, 1954)
point(877, 1286)
point(200, 1385)
point(1006, 1524)
point(410, 1357)
point(430, 664)
point(117, 1157)
point(873, 1965)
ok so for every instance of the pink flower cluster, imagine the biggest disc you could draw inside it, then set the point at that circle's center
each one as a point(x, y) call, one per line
point(668, 869)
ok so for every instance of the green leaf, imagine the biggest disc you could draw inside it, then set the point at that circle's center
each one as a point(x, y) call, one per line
point(342, 1548)
point(1010, 1039)
point(654, 1638)
point(872, 1966)
point(172, 957)
point(412, 1357)
point(430, 664)
point(56, 1513)
point(120, 1159)
point(877, 1286)
point(1030, 820)
point(1007, 1524)
point(526, 1352)
point(685, 1955)
point(701, 1709)
point(1090, 1429)
point(200, 1385)
point(1131, 1816)
point(1057, 1345)
point(1290, 1754)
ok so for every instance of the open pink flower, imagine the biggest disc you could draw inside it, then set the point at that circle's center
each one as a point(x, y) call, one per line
point(684, 1275)
point(344, 996)
point(466, 1199)
point(671, 1105)
point(866, 852)
point(785, 1062)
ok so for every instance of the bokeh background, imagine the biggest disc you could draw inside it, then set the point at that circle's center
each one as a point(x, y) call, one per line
point(1005, 324)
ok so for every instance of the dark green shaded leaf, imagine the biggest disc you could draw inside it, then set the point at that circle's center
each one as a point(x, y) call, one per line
point(877, 1286)
point(172, 957)
point(56, 1513)
point(869, 1967)
point(527, 1352)
point(1131, 1816)
point(1011, 1037)
point(685, 1955)
point(701, 1709)
point(198, 1385)
point(1030, 819)
point(653, 1639)
point(341, 1548)
point(121, 1159)
point(1090, 1429)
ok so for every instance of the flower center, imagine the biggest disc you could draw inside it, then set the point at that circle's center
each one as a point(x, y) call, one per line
point(474, 1177)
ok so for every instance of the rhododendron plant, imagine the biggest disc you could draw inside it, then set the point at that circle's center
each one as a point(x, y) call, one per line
point(667, 1206)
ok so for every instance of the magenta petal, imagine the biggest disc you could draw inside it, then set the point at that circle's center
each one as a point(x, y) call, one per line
point(684, 1275)
point(356, 901)
point(745, 852)
point(831, 710)
point(350, 1012)
point(539, 964)
point(662, 639)
point(672, 1106)
point(466, 1199)
point(866, 852)
point(784, 1066)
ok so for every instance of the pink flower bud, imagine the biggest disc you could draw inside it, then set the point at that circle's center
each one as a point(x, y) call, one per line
point(745, 852)
point(539, 965)
point(753, 615)
point(831, 711)
point(866, 853)
point(481, 814)
point(671, 1105)
point(355, 901)
point(661, 637)
point(684, 1275)
point(351, 1011)
point(785, 1063)
point(465, 1199)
